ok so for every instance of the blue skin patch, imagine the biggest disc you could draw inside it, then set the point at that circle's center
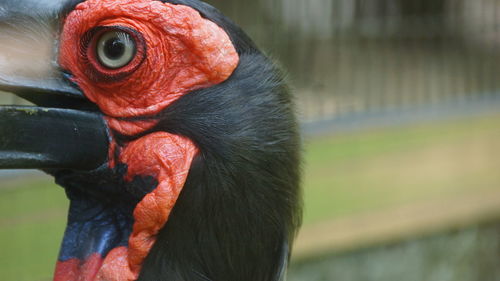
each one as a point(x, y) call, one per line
point(101, 209)
point(94, 228)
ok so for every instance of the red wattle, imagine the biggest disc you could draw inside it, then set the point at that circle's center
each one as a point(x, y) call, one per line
point(78, 270)
point(167, 158)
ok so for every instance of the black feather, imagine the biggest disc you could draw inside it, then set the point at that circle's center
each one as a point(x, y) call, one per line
point(240, 207)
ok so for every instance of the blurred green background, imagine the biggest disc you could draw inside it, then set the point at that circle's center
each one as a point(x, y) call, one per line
point(399, 103)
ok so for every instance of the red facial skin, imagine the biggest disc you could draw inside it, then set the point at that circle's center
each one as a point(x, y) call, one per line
point(72, 269)
point(182, 52)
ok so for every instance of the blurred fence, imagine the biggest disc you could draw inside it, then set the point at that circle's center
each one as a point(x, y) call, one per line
point(466, 254)
point(349, 57)
point(355, 56)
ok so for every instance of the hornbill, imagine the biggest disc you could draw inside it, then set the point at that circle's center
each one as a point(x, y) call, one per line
point(172, 135)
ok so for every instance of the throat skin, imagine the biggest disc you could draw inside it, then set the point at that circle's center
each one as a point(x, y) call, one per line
point(113, 225)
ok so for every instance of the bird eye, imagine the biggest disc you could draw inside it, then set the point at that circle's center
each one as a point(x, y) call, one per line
point(115, 49)
point(111, 53)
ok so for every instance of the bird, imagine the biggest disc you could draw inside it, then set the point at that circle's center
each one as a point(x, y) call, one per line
point(173, 136)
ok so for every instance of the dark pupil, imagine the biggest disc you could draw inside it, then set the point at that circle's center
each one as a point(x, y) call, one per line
point(114, 48)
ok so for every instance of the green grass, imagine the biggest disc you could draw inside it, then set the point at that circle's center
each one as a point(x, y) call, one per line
point(29, 250)
point(32, 219)
point(35, 197)
point(364, 171)
point(344, 175)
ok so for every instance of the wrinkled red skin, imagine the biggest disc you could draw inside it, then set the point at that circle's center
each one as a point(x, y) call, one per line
point(72, 269)
point(183, 52)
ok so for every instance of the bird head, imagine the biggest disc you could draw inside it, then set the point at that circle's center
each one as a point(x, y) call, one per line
point(172, 135)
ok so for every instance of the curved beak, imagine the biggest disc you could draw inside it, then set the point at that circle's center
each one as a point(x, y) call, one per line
point(63, 130)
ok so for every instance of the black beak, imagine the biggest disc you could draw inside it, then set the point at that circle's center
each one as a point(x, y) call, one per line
point(63, 131)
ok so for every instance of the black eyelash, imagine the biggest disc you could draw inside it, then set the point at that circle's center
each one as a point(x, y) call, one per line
point(92, 71)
